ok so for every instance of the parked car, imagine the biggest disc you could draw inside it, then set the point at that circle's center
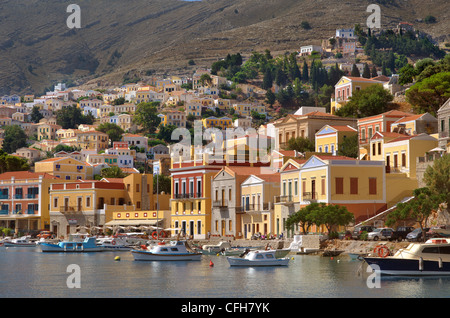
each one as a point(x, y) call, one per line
point(416, 235)
point(384, 233)
point(401, 232)
point(46, 235)
point(357, 231)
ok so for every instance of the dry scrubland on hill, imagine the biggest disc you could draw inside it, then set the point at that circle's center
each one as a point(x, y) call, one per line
point(131, 37)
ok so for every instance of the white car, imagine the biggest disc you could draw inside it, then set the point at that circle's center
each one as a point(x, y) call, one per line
point(384, 233)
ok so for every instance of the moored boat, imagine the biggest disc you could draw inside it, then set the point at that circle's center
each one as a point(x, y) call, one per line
point(213, 249)
point(258, 258)
point(114, 244)
point(88, 245)
point(23, 241)
point(174, 251)
point(431, 258)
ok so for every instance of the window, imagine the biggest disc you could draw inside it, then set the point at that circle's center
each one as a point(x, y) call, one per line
point(55, 202)
point(403, 160)
point(323, 186)
point(373, 150)
point(379, 148)
point(88, 202)
point(339, 185)
point(372, 185)
point(353, 185)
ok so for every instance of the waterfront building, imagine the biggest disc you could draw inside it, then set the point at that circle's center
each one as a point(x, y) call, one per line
point(288, 201)
point(24, 200)
point(444, 125)
point(91, 203)
point(258, 193)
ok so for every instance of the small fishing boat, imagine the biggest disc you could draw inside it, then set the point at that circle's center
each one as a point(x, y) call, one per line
point(232, 252)
point(213, 249)
point(24, 241)
point(88, 245)
point(114, 244)
point(431, 258)
point(258, 258)
point(174, 251)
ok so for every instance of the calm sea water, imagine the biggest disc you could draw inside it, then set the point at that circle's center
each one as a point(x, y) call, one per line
point(27, 272)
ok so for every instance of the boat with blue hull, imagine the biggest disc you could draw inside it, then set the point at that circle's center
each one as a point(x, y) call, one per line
point(88, 245)
point(431, 258)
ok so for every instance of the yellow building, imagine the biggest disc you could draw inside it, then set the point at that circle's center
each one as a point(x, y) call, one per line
point(214, 122)
point(246, 109)
point(66, 168)
point(92, 140)
point(47, 131)
point(357, 185)
point(173, 117)
point(257, 201)
point(345, 88)
point(288, 201)
point(330, 137)
point(400, 154)
point(92, 203)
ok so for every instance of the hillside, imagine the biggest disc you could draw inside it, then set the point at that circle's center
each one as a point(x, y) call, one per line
point(136, 37)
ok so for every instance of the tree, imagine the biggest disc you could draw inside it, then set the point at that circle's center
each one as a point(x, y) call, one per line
point(366, 71)
point(305, 25)
point(417, 209)
point(12, 163)
point(333, 216)
point(374, 72)
point(268, 80)
point(430, 94)
point(300, 144)
point(355, 71)
point(36, 115)
point(270, 97)
point(437, 178)
point(165, 133)
point(146, 115)
point(304, 217)
point(407, 74)
point(305, 72)
point(113, 131)
point(367, 102)
point(349, 147)
point(205, 79)
point(14, 138)
point(164, 184)
point(71, 117)
point(118, 101)
point(112, 172)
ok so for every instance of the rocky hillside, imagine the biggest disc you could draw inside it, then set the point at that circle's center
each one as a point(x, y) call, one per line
point(124, 39)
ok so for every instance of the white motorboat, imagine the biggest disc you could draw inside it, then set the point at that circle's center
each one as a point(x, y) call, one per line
point(215, 249)
point(258, 258)
point(24, 241)
point(174, 251)
point(114, 244)
point(431, 258)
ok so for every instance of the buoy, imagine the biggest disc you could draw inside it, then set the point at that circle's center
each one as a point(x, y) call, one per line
point(211, 264)
point(332, 258)
point(117, 258)
point(292, 258)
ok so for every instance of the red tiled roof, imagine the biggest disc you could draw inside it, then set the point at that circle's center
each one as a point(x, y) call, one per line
point(22, 175)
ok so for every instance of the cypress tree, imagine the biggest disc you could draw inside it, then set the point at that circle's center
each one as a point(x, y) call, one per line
point(305, 73)
point(366, 72)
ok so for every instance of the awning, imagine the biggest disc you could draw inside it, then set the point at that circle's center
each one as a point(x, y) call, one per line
point(131, 222)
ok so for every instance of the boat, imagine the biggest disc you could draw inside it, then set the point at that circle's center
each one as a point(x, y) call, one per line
point(232, 252)
point(114, 244)
point(88, 245)
point(23, 241)
point(174, 251)
point(212, 249)
point(431, 258)
point(441, 231)
point(258, 258)
point(356, 256)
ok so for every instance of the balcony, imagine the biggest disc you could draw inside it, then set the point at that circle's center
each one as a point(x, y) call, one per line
point(4, 212)
point(265, 207)
point(309, 196)
point(220, 204)
point(179, 196)
point(70, 209)
point(284, 199)
point(18, 196)
point(443, 134)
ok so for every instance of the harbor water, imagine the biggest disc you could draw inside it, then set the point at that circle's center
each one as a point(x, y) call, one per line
point(29, 273)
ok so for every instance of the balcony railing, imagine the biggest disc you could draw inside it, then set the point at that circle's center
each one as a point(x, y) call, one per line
point(187, 195)
point(443, 134)
point(310, 196)
point(4, 212)
point(70, 209)
point(257, 207)
point(284, 199)
point(220, 204)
